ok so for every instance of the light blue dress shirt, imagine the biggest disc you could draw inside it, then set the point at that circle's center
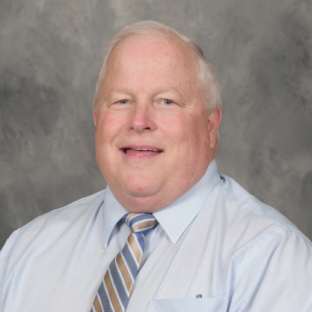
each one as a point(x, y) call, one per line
point(217, 248)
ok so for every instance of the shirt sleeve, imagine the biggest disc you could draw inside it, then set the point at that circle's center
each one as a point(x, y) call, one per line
point(279, 278)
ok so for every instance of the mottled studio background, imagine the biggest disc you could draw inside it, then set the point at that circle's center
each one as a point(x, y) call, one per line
point(50, 54)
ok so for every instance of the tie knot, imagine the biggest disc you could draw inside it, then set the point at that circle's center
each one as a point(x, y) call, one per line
point(140, 222)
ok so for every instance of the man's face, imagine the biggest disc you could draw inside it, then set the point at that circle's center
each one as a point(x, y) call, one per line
point(154, 138)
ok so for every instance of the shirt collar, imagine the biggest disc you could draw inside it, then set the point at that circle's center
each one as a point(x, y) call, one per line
point(112, 213)
point(175, 218)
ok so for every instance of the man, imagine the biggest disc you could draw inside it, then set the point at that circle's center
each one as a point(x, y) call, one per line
point(157, 110)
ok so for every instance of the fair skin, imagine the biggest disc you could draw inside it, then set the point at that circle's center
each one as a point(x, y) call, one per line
point(154, 136)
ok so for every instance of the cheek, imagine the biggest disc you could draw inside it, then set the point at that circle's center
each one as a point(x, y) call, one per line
point(175, 129)
point(109, 125)
point(199, 138)
point(185, 137)
point(192, 129)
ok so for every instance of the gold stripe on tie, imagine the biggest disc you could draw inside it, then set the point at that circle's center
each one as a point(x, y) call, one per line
point(143, 225)
point(133, 244)
point(112, 293)
point(96, 305)
point(124, 272)
point(131, 216)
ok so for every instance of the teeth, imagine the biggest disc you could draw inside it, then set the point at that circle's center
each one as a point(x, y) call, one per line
point(145, 149)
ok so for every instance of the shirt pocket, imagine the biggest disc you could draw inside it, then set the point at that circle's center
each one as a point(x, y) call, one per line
point(188, 305)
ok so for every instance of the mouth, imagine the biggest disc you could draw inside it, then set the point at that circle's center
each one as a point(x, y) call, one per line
point(141, 151)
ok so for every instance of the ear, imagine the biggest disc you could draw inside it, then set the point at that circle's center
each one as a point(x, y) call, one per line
point(94, 116)
point(214, 119)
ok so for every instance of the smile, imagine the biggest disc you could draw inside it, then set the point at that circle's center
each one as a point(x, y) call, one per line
point(141, 152)
point(127, 149)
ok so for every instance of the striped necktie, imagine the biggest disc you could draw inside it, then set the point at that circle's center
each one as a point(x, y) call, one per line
point(115, 288)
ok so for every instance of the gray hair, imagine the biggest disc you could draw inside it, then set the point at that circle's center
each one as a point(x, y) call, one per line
point(207, 75)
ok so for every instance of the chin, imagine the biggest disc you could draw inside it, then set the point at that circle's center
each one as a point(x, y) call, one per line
point(141, 191)
point(141, 182)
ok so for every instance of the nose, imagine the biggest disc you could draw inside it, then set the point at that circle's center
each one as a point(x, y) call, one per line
point(142, 118)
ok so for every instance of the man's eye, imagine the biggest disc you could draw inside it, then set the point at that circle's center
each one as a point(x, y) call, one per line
point(123, 102)
point(168, 102)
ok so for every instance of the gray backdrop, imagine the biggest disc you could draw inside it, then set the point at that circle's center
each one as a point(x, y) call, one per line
point(50, 55)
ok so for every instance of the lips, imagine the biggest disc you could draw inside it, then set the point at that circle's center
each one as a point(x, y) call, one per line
point(156, 150)
point(141, 151)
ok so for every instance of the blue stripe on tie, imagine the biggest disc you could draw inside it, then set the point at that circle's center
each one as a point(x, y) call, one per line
point(140, 240)
point(132, 221)
point(98, 295)
point(118, 283)
point(126, 263)
point(147, 230)
point(133, 258)
point(131, 262)
point(120, 275)
point(140, 218)
point(105, 302)
point(124, 218)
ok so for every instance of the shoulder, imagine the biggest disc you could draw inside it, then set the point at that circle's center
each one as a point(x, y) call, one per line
point(240, 201)
point(66, 215)
point(50, 226)
point(248, 223)
point(263, 247)
point(50, 242)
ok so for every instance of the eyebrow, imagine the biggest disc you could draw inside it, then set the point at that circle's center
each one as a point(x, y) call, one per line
point(158, 90)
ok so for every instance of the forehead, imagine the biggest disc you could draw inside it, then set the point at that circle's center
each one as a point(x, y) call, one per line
point(145, 52)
